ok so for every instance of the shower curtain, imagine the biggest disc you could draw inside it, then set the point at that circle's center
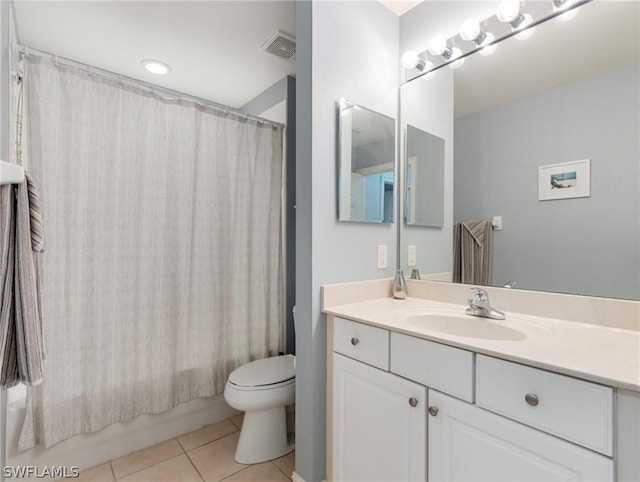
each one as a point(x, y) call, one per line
point(163, 270)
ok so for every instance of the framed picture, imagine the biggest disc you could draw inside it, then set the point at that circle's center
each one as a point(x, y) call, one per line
point(564, 181)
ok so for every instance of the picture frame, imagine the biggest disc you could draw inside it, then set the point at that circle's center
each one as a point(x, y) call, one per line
point(565, 180)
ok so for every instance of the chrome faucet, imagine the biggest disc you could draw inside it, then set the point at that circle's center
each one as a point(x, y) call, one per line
point(479, 306)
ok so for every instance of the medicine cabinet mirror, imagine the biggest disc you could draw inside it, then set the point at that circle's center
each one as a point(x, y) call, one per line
point(366, 181)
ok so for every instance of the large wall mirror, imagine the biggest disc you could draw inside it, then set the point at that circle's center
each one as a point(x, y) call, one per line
point(366, 183)
point(568, 93)
point(424, 178)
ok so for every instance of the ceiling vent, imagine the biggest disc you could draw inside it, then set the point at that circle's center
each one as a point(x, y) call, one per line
point(281, 45)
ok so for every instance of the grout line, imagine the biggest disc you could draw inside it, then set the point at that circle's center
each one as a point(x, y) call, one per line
point(280, 469)
point(113, 472)
point(194, 466)
point(235, 473)
point(183, 449)
point(145, 468)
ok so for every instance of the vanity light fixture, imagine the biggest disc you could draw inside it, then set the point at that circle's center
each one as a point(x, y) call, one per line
point(515, 18)
point(509, 12)
point(455, 53)
point(471, 32)
point(559, 5)
point(411, 60)
point(156, 67)
point(438, 46)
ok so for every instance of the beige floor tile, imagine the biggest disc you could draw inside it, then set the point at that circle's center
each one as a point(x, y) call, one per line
point(266, 472)
point(215, 461)
point(172, 470)
point(207, 434)
point(100, 473)
point(287, 463)
point(237, 420)
point(145, 458)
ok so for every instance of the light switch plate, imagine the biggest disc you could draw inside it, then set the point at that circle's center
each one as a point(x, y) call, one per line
point(411, 256)
point(382, 256)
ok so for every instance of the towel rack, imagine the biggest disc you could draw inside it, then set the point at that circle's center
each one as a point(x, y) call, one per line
point(11, 173)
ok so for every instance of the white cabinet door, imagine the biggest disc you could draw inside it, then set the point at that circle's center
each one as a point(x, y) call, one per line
point(379, 424)
point(467, 443)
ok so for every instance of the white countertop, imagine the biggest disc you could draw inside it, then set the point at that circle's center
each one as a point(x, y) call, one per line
point(610, 356)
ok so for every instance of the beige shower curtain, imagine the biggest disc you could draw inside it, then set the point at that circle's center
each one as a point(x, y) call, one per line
point(472, 252)
point(163, 270)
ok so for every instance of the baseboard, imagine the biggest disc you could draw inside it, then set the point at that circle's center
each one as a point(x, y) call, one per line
point(296, 478)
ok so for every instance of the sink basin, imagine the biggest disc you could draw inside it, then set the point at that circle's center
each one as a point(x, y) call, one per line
point(467, 326)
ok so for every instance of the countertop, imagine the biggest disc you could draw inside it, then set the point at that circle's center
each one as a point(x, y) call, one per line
point(610, 356)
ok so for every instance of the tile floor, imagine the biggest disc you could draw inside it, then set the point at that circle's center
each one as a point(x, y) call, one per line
point(203, 455)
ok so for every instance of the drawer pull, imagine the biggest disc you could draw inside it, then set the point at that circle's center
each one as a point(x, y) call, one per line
point(354, 341)
point(413, 402)
point(531, 399)
point(433, 411)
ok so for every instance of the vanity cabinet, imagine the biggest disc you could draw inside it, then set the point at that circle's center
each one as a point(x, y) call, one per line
point(379, 424)
point(488, 419)
point(467, 443)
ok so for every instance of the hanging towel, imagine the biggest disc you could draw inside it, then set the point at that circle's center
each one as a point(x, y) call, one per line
point(21, 241)
point(472, 252)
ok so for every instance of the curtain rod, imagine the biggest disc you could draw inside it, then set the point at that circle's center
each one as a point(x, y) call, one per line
point(162, 92)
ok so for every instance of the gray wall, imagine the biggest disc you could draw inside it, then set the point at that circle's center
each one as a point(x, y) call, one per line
point(285, 90)
point(350, 50)
point(585, 246)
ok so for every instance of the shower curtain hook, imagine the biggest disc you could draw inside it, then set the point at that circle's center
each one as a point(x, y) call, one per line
point(55, 60)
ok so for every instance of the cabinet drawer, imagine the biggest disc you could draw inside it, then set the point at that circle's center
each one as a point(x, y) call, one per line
point(362, 342)
point(578, 411)
point(447, 369)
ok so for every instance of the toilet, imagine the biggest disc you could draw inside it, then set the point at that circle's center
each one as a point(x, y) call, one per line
point(262, 389)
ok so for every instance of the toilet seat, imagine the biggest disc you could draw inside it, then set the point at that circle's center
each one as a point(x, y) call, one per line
point(264, 374)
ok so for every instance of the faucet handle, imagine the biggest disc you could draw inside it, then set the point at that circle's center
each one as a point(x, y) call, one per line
point(481, 294)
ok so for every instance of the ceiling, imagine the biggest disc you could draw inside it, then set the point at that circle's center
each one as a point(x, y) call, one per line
point(213, 47)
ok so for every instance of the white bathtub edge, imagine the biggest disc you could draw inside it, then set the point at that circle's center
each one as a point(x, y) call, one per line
point(116, 440)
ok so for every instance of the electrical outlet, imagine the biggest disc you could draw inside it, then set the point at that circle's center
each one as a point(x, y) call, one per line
point(411, 256)
point(382, 256)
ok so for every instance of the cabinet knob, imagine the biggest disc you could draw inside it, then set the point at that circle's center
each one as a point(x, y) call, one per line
point(531, 399)
point(413, 402)
point(433, 411)
point(354, 341)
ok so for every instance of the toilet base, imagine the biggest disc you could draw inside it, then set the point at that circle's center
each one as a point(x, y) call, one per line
point(263, 436)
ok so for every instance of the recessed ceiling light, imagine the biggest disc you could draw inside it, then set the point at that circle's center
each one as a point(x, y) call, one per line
point(156, 67)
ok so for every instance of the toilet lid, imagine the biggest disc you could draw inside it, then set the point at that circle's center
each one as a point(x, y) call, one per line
point(267, 371)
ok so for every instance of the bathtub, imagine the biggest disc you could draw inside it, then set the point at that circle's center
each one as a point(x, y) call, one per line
point(120, 439)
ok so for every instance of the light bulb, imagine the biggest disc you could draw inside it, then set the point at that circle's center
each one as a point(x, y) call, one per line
point(455, 53)
point(526, 32)
point(411, 60)
point(438, 45)
point(470, 30)
point(508, 11)
point(156, 67)
point(489, 49)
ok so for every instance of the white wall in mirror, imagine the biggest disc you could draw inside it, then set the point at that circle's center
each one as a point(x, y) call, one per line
point(427, 104)
point(366, 158)
point(573, 73)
